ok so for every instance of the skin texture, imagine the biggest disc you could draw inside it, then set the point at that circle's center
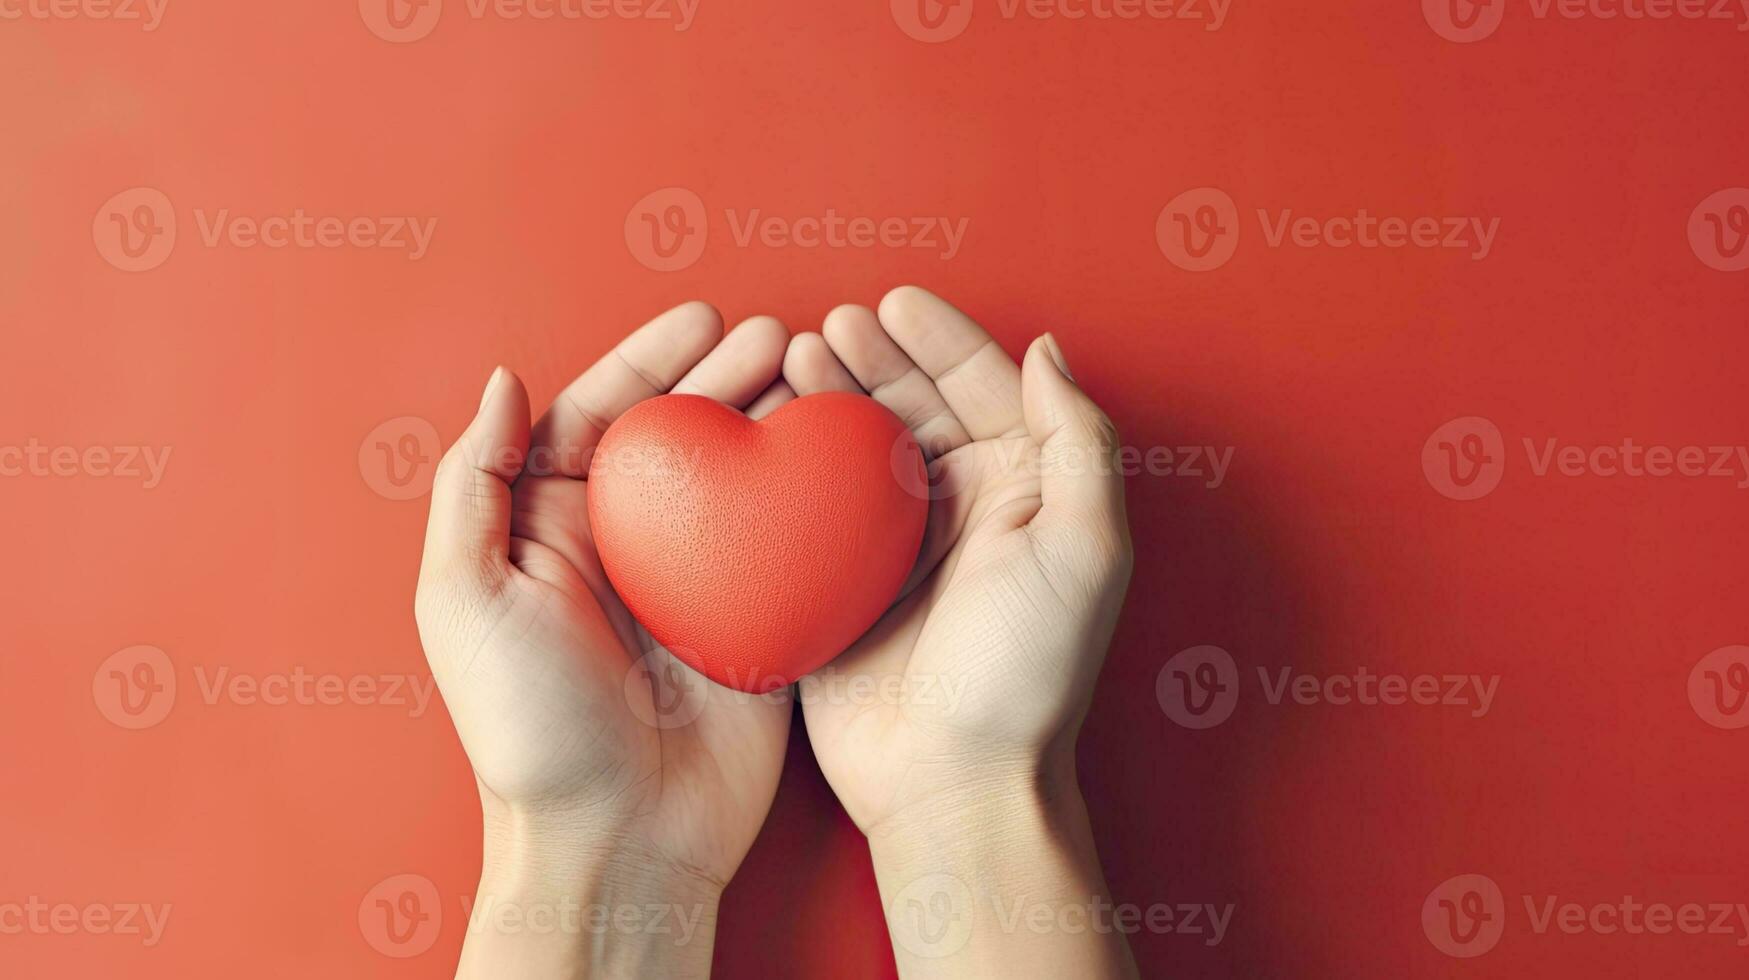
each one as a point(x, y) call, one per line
point(1024, 567)
point(589, 799)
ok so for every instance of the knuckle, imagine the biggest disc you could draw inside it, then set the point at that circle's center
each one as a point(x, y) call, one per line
point(1110, 552)
point(452, 463)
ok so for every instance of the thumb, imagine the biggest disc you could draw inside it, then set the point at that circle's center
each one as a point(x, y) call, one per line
point(469, 531)
point(1080, 484)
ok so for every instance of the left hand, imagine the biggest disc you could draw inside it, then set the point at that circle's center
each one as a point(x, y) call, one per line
point(591, 796)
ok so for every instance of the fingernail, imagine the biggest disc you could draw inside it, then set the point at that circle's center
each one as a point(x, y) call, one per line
point(491, 385)
point(1056, 352)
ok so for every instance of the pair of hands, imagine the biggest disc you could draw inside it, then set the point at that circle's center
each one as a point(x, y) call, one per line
point(554, 689)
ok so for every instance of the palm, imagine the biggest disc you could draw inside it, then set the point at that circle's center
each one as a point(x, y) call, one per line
point(561, 699)
point(975, 648)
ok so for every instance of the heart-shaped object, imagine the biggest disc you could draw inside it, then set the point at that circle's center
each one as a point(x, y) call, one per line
point(757, 551)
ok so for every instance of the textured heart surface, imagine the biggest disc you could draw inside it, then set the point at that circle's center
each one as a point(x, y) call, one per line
point(757, 551)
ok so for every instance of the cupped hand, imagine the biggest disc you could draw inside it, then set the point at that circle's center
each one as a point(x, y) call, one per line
point(598, 755)
point(948, 730)
point(988, 661)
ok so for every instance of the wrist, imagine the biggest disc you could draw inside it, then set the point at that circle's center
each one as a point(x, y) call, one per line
point(560, 896)
point(997, 876)
point(991, 826)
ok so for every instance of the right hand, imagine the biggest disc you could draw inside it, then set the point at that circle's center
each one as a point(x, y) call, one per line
point(963, 772)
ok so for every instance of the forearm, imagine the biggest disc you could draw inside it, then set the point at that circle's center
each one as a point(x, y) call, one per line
point(1000, 880)
point(565, 903)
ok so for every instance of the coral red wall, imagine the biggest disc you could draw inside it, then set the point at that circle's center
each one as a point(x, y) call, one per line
point(1593, 292)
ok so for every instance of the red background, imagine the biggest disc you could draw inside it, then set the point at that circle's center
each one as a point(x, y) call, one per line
point(265, 548)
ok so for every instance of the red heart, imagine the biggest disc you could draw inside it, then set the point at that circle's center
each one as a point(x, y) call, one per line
point(757, 551)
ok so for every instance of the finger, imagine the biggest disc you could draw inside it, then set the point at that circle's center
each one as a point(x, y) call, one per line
point(742, 366)
point(775, 397)
point(646, 364)
point(855, 336)
point(468, 532)
point(1080, 488)
point(810, 367)
point(976, 377)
